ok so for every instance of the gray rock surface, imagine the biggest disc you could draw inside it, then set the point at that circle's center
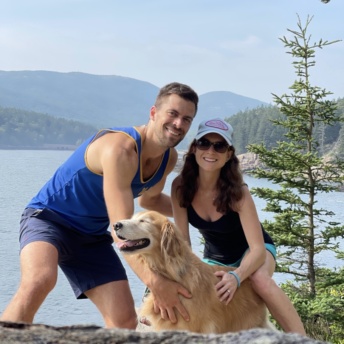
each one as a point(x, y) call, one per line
point(43, 334)
point(248, 161)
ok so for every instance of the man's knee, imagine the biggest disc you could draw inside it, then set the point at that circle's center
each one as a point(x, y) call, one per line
point(127, 320)
point(116, 304)
point(38, 287)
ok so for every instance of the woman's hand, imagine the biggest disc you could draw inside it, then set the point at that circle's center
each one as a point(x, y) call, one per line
point(226, 287)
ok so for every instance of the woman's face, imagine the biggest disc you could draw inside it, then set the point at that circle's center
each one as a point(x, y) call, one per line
point(212, 157)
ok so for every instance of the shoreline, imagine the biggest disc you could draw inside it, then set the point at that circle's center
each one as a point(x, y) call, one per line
point(248, 161)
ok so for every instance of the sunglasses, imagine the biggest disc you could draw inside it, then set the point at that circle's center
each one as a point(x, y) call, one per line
point(219, 147)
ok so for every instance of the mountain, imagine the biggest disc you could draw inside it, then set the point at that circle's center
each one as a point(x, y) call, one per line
point(224, 104)
point(94, 99)
point(102, 100)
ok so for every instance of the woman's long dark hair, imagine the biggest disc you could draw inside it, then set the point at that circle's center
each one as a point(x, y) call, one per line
point(229, 184)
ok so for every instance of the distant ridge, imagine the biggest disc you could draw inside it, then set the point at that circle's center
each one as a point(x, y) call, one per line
point(100, 100)
point(225, 104)
point(103, 100)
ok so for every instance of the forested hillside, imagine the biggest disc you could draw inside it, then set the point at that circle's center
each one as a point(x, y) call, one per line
point(255, 126)
point(19, 128)
point(40, 109)
point(101, 100)
point(24, 129)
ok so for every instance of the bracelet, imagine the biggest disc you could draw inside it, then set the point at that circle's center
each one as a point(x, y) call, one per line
point(236, 277)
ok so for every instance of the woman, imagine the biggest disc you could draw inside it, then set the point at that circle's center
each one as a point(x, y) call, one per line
point(210, 194)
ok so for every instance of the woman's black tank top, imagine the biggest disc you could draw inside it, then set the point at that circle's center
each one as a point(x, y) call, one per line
point(225, 239)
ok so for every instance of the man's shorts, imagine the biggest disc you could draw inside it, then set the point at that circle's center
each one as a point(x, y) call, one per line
point(87, 260)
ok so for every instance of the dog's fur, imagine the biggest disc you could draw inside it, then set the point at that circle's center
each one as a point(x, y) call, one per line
point(157, 243)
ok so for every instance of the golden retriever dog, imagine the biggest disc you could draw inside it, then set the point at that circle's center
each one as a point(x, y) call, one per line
point(157, 243)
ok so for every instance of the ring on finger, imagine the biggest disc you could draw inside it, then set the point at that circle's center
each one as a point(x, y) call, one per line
point(228, 291)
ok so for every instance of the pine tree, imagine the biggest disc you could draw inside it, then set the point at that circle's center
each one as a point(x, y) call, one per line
point(300, 229)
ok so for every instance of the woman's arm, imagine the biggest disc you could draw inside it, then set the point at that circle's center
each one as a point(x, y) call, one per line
point(255, 256)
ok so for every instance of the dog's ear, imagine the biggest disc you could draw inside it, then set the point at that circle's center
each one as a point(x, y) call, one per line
point(171, 244)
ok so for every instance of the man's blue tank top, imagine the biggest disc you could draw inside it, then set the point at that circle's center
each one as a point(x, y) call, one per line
point(76, 193)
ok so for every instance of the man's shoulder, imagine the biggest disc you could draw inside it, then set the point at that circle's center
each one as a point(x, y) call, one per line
point(173, 155)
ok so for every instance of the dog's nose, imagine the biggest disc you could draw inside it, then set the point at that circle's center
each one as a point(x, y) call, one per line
point(117, 226)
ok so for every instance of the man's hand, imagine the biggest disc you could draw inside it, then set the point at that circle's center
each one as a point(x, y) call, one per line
point(166, 299)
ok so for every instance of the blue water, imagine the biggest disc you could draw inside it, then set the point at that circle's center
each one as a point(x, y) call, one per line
point(22, 174)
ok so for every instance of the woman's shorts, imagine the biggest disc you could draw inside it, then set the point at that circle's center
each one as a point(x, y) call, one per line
point(87, 260)
point(269, 247)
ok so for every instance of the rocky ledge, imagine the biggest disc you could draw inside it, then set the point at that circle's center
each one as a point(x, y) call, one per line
point(43, 334)
point(248, 161)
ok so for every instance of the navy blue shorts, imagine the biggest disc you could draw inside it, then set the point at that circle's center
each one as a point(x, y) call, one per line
point(87, 260)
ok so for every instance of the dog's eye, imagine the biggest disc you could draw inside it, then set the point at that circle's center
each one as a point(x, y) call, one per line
point(145, 220)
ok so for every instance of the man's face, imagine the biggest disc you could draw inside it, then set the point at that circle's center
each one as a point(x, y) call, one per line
point(173, 118)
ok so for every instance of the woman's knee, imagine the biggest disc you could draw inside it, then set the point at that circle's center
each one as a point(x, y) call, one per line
point(262, 278)
point(262, 282)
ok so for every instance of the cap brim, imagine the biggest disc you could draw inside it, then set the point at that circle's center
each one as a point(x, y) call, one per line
point(212, 131)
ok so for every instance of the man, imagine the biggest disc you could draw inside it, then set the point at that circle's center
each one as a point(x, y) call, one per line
point(67, 222)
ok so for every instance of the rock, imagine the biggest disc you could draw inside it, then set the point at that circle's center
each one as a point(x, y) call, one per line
point(248, 161)
point(43, 334)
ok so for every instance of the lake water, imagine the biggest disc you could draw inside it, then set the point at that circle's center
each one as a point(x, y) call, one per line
point(22, 174)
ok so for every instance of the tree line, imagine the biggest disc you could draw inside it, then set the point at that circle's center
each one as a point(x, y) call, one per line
point(27, 129)
point(257, 126)
point(21, 128)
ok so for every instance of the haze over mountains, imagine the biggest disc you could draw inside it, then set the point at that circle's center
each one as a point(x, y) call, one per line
point(102, 100)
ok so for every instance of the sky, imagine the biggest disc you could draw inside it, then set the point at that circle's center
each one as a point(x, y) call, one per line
point(211, 45)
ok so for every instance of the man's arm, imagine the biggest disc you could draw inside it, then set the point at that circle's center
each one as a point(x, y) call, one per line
point(119, 161)
point(154, 198)
point(165, 292)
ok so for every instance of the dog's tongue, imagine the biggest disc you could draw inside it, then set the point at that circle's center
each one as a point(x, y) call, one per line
point(126, 243)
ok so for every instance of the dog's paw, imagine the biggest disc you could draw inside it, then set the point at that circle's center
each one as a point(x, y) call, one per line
point(143, 325)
